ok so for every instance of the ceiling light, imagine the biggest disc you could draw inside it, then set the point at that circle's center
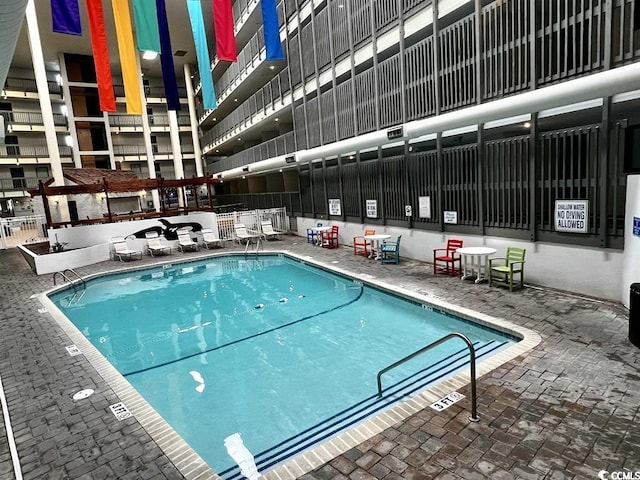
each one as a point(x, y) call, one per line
point(239, 138)
point(527, 124)
point(149, 55)
point(214, 119)
point(276, 119)
point(235, 99)
point(272, 67)
point(217, 151)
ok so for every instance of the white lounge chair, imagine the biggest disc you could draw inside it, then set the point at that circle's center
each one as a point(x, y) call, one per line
point(268, 231)
point(210, 239)
point(243, 233)
point(122, 252)
point(185, 242)
point(154, 245)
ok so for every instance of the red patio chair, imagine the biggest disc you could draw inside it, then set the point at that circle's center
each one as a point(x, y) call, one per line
point(444, 259)
point(330, 238)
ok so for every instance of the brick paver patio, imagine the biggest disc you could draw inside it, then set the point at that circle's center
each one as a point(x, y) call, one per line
point(569, 408)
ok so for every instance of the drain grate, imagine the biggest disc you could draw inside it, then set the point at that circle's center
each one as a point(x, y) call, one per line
point(73, 350)
point(120, 411)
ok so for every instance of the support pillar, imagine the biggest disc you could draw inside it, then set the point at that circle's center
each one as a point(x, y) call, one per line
point(197, 151)
point(178, 167)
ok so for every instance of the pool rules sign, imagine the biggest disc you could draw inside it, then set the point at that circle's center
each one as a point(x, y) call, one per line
point(572, 216)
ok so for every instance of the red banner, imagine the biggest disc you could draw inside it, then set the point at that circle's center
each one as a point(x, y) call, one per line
point(101, 56)
point(225, 39)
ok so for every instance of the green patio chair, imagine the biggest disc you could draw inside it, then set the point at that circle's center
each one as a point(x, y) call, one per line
point(512, 264)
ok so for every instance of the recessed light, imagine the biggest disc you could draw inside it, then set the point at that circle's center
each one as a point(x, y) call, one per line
point(217, 151)
point(239, 139)
point(276, 119)
point(527, 124)
point(149, 55)
point(235, 99)
point(214, 119)
point(272, 67)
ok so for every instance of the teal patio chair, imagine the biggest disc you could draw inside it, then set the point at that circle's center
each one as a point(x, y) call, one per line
point(390, 251)
point(512, 265)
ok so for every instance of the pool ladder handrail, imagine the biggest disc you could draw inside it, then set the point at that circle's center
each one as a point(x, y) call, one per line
point(75, 282)
point(472, 355)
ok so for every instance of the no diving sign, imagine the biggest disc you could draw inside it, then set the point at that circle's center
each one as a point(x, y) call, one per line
point(446, 402)
point(572, 216)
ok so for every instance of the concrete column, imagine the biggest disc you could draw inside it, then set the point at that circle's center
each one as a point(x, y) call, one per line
point(197, 151)
point(178, 168)
point(630, 273)
point(146, 135)
point(43, 92)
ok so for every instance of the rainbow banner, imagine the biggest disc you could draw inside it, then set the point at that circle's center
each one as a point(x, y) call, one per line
point(272, 41)
point(145, 17)
point(101, 56)
point(166, 59)
point(65, 16)
point(225, 38)
point(128, 60)
point(202, 53)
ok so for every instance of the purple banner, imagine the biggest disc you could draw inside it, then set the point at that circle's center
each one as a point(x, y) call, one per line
point(65, 15)
point(166, 59)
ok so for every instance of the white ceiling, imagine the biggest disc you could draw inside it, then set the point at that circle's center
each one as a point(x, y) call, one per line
point(55, 43)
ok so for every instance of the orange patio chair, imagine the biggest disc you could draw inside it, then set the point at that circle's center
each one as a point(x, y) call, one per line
point(445, 259)
point(360, 243)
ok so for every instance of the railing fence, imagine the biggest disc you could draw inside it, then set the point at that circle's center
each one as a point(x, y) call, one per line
point(17, 230)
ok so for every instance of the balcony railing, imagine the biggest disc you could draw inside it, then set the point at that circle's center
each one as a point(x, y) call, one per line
point(28, 85)
point(140, 150)
point(150, 92)
point(159, 120)
point(31, 118)
point(19, 183)
point(30, 151)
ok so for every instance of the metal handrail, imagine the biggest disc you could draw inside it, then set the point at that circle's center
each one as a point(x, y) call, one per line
point(72, 282)
point(472, 354)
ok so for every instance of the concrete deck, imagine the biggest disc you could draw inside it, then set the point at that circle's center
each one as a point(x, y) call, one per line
point(569, 408)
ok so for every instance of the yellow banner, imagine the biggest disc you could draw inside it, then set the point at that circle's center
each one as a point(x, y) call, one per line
point(128, 60)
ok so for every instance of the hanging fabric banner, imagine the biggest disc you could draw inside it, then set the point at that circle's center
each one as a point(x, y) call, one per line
point(272, 41)
point(101, 56)
point(128, 60)
point(166, 59)
point(202, 53)
point(145, 17)
point(65, 16)
point(225, 38)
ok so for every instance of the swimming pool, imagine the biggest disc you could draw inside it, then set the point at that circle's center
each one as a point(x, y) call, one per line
point(213, 346)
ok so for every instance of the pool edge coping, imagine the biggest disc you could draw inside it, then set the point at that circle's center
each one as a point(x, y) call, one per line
point(189, 463)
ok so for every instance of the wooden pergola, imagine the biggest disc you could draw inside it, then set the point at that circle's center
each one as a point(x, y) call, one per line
point(107, 187)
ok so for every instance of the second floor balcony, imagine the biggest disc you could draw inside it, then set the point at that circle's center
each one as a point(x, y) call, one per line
point(31, 151)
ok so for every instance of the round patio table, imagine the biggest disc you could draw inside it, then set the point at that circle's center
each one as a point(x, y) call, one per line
point(475, 262)
point(375, 240)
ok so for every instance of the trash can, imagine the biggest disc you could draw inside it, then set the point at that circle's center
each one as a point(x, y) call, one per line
point(634, 315)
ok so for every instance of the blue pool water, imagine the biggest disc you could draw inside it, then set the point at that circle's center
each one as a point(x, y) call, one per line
point(280, 351)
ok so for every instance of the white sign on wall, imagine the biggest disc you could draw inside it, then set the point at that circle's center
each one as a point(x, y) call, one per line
point(372, 208)
point(572, 216)
point(334, 206)
point(424, 207)
point(451, 216)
